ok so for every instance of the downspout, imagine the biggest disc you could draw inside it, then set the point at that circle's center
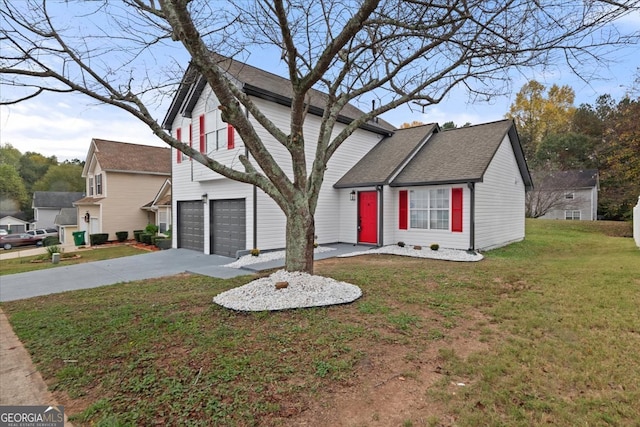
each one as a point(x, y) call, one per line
point(255, 199)
point(380, 216)
point(472, 216)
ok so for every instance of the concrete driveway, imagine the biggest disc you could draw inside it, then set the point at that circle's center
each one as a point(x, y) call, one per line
point(117, 270)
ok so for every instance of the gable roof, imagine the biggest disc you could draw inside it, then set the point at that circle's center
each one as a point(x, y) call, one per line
point(55, 199)
point(556, 180)
point(261, 84)
point(114, 156)
point(67, 216)
point(384, 160)
point(446, 157)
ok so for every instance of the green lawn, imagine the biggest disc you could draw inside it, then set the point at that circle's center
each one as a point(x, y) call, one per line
point(40, 262)
point(543, 332)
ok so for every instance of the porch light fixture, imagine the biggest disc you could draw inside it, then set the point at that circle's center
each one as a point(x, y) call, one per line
point(352, 196)
point(205, 196)
point(87, 217)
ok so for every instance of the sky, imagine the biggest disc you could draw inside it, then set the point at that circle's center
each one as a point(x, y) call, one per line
point(63, 125)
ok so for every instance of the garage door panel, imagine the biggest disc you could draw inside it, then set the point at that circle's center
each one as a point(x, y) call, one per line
point(191, 225)
point(228, 226)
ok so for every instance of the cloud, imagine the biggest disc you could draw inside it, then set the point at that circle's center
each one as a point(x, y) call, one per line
point(54, 129)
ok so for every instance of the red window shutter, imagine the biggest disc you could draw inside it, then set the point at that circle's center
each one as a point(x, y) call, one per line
point(190, 137)
point(202, 140)
point(230, 137)
point(456, 209)
point(178, 152)
point(403, 210)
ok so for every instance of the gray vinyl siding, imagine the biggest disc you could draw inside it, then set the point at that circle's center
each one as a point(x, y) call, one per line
point(584, 200)
point(500, 201)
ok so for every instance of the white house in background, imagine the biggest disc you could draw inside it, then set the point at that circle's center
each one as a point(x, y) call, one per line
point(13, 224)
point(461, 188)
point(47, 205)
point(575, 193)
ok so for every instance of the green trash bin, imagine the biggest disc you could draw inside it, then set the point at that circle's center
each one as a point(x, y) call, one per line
point(78, 238)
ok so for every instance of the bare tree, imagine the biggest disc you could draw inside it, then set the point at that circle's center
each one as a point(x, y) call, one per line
point(555, 190)
point(397, 52)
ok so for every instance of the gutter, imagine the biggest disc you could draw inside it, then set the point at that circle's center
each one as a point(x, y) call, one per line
point(472, 216)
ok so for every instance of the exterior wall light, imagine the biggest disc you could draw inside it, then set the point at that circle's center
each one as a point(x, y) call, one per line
point(352, 196)
point(205, 197)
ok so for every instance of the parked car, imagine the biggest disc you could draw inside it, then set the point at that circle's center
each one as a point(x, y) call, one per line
point(21, 239)
point(3, 232)
point(43, 232)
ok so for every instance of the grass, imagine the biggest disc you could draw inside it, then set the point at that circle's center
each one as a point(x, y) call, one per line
point(41, 262)
point(554, 322)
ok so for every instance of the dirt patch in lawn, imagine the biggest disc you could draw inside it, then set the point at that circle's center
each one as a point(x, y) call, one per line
point(391, 384)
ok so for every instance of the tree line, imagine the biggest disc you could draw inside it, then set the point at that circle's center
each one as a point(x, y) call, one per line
point(605, 135)
point(21, 174)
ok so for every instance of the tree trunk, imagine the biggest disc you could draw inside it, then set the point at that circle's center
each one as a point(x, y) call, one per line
point(300, 239)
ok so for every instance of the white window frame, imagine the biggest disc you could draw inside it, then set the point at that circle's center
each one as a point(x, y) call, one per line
point(434, 204)
point(570, 214)
point(216, 136)
point(99, 184)
point(91, 186)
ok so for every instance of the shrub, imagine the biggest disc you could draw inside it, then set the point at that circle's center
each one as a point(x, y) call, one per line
point(122, 235)
point(98, 238)
point(434, 246)
point(163, 243)
point(145, 238)
point(151, 229)
point(53, 249)
point(50, 240)
point(254, 252)
point(401, 244)
point(136, 234)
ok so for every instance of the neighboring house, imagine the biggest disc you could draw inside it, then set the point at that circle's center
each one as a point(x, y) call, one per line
point(13, 224)
point(160, 206)
point(48, 204)
point(462, 188)
point(121, 179)
point(67, 223)
point(571, 195)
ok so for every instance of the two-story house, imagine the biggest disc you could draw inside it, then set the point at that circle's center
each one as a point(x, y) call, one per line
point(47, 205)
point(121, 180)
point(461, 188)
point(571, 195)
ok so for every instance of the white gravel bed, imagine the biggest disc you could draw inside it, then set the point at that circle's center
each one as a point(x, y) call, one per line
point(304, 290)
point(443, 254)
point(267, 256)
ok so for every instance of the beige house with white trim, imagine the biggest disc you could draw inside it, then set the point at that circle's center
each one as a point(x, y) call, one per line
point(121, 179)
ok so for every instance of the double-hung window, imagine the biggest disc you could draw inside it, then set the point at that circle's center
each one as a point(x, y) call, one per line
point(98, 179)
point(91, 186)
point(429, 209)
point(572, 215)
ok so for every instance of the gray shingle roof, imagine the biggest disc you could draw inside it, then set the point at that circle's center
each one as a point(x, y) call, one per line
point(67, 216)
point(262, 84)
point(578, 178)
point(127, 157)
point(450, 156)
point(455, 155)
point(380, 164)
point(55, 199)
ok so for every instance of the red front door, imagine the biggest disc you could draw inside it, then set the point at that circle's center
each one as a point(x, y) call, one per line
point(368, 217)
